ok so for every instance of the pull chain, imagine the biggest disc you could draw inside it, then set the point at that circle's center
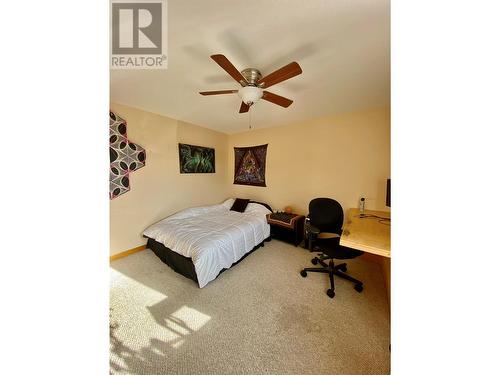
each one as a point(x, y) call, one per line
point(250, 117)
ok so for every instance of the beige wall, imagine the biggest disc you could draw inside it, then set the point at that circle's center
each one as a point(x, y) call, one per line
point(158, 189)
point(343, 157)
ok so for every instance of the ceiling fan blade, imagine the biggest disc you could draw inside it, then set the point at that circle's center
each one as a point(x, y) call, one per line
point(288, 71)
point(276, 99)
point(225, 64)
point(244, 107)
point(218, 92)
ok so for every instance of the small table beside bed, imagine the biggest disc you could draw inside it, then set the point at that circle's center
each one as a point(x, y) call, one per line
point(287, 226)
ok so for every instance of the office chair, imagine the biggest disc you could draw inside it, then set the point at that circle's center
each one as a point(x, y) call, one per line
point(327, 216)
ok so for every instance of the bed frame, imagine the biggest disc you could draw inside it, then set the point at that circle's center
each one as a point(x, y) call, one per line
point(184, 265)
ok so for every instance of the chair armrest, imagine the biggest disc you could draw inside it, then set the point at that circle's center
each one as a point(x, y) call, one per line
point(312, 229)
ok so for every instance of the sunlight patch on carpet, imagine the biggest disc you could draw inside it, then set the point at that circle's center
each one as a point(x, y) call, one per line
point(192, 318)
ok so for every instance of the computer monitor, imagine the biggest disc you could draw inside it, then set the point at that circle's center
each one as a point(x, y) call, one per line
point(388, 193)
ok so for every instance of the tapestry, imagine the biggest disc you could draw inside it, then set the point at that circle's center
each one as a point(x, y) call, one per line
point(196, 159)
point(125, 156)
point(250, 165)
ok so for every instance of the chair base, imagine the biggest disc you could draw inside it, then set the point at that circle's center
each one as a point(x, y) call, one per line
point(332, 269)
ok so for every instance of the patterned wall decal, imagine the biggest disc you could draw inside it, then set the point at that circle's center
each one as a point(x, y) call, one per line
point(250, 165)
point(125, 156)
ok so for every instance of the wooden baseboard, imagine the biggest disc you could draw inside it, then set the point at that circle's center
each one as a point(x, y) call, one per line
point(126, 253)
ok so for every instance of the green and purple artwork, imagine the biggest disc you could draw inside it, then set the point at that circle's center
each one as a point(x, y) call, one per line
point(196, 159)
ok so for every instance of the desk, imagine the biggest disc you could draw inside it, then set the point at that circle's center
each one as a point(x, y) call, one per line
point(367, 234)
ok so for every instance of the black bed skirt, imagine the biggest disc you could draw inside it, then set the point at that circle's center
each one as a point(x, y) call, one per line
point(182, 264)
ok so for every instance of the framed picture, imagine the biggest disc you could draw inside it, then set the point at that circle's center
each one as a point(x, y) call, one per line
point(196, 159)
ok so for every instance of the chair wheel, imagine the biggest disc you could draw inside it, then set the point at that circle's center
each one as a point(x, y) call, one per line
point(303, 273)
point(358, 287)
point(330, 293)
point(343, 268)
point(314, 261)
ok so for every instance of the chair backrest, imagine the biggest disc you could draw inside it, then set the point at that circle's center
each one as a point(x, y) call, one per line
point(326, 214)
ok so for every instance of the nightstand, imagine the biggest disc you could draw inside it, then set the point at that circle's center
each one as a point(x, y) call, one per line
point(289, 227)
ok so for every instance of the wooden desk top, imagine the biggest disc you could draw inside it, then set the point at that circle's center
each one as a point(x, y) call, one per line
point(368, 233)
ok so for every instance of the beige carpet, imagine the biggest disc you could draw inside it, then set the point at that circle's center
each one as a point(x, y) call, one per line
point(259, 317)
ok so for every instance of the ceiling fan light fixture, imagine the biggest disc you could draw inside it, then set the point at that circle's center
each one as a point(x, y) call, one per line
point(254, 84)
point(250, 94)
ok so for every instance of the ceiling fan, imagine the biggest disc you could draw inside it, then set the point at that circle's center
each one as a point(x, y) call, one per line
point(253, 84)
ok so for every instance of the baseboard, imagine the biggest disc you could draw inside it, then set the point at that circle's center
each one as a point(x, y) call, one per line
point(127, 252)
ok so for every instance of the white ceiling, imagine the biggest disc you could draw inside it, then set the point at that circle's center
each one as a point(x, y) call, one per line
point(343, 47)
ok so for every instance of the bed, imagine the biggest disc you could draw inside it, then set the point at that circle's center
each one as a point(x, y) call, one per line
point(202, 242)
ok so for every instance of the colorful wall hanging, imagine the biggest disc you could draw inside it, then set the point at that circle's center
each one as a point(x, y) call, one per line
point(196, 159)
point(125, 156)
point(250, 165)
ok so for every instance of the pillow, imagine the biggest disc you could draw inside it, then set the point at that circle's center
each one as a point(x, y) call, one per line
point(239, 205)
point(263, 205)
point(228, 203)
point(257, 208)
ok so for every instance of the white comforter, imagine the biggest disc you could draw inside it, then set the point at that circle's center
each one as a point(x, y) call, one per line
point(213, 236)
